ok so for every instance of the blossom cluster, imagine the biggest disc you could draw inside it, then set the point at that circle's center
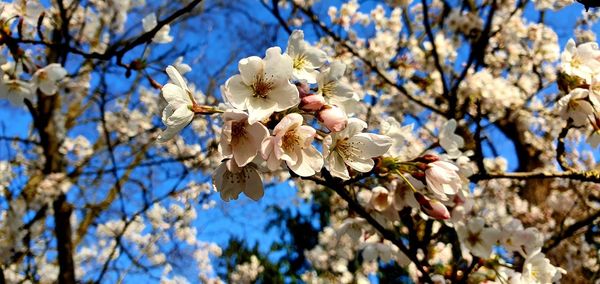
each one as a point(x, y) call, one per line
point(276, 110)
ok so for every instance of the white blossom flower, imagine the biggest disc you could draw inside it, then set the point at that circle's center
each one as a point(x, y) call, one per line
point(442, 179)
point(306, 58)
point(16, 91)
point(240, 139)
point(178, 112)
point(263, 85)
point(162, 36)
point(537, 269)
point(230, 180)
point(292, 143)
point(582, 61)
point(353, 148)
point(372, 251)
point(47, 78)
point(477, 239)
point(516, 238)
point(450, 141)
point(381, 199)
point(335, 91)
point(181, 66)
point(577, 106)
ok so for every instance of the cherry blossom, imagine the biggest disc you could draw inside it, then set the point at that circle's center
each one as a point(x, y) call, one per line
point(263, 85)
point(537, 269)
point(476, 238)
point(162, 36)
point(16, 91)
point(335, 91)
point(582, 61)
point(292, 143)
point(306, 59)
point(240, 139)
point(443, 179)
point(178, 112)
point(47, 78)
point(353, 148)
point(577, 106)
point(230, 180)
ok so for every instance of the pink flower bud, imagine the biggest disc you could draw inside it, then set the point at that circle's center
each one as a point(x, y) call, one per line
point(432, 207)
point(427, 158)
point(333, 117)
point(312, 102)
point(303, 89)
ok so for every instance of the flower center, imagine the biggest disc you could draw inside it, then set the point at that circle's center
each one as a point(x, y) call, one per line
point(289, 141)
point(238, 130)
point(473, 238)
point(328, 89)
point(261, 86)
point(239, 178)
point(300, 61)
point(347, 150)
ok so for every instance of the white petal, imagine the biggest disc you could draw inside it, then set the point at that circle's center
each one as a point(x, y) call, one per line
point(371, 145)
point(48, 87)
point(237, 93)
point(176, 78)
point(361, 165)
point(259, 109)
point(172, 92)
point(253, 184)
point(285, 95)
point(278, 67)
point(337, 167)
point(250, 68)
point(181, 115)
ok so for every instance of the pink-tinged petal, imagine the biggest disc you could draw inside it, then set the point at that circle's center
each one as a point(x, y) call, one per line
point(237, 93)
point(250, 68)
point(333, 117)
point(312, 102)
point(266, 147)
point(260, 109)
point(244, 151)
point(257, 133)
point(289, 122)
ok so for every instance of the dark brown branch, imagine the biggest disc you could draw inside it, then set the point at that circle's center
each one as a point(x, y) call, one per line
point(385, 233)
point(586, 176)
point(570, 231)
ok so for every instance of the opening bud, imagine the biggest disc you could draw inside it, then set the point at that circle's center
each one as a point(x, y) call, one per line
point(333, 117)
point(312, 102)
point(432, 207)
